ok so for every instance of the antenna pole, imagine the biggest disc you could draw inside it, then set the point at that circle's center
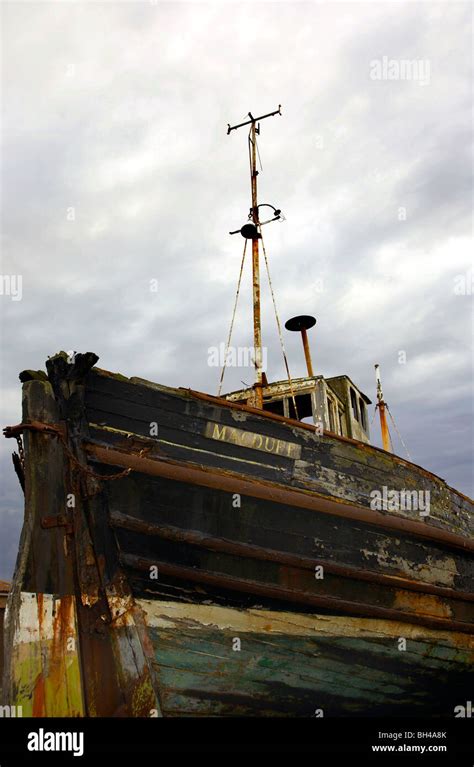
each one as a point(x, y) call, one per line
point(381, 405)
point(257, 327)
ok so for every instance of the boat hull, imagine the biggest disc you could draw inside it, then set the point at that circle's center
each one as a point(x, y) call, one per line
point(182, 555)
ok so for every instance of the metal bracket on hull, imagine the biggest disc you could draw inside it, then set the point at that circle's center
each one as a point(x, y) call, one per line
point(61, 520)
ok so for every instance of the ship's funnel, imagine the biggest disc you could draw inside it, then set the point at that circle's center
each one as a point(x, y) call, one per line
point(303, 323)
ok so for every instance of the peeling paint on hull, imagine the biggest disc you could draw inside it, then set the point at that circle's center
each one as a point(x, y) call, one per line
point(291, 664)
point(45, 657)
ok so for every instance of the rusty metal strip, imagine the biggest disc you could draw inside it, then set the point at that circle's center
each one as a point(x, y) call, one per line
point(60, 432)
point(19, 428)
point(233, 483)
point(232, 583)
point(252, 551)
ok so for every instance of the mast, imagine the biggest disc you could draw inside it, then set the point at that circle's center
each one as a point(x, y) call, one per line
point(381, 405)
point(252, 232)
point(257, 327)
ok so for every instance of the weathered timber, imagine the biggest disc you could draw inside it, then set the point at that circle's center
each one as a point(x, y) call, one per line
point(67, 626)
point(262, 553)
point(291, 529)
point(233, 483)
point(118, 680)
point(42, 662)
point(118, 501)
point(291, 585)
point(292, 665)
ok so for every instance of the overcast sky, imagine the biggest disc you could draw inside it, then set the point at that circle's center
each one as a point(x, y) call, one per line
point(114, 115)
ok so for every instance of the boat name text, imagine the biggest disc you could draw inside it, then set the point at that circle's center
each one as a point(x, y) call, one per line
point(252, 440)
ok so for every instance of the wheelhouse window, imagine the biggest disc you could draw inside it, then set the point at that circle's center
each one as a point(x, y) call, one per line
point(332, 419)
point(363, 414)
point(286, 407)
point(341, 423)
point(354, 404)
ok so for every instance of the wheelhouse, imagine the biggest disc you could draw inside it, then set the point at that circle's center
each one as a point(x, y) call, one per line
point(336, 403)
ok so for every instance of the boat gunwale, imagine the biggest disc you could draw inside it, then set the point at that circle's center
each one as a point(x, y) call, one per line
point(291, 422)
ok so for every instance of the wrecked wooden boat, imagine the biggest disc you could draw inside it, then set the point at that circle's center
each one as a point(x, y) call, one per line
point(230, 564)
point(184, 554)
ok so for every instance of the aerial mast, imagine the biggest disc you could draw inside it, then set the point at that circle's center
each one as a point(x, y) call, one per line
point(252, 232)
point(381, 405)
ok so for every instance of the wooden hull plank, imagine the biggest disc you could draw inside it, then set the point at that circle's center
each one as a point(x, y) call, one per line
point(291, 530)
point(281, 672)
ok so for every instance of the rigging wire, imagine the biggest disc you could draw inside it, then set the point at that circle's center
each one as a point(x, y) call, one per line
point(375, 413)
point(399, 435)
point(232, 321)
point(279, 327)
point(259, 158)
point(250, 159)
point(250, 151)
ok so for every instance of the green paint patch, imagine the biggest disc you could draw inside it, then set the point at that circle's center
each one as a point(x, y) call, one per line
point(199, 670)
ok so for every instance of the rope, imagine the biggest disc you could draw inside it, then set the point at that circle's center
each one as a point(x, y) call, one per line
point(259, 158)
point(399, 435)
point(250, 154)
point(279, 326)
point(232, 321)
